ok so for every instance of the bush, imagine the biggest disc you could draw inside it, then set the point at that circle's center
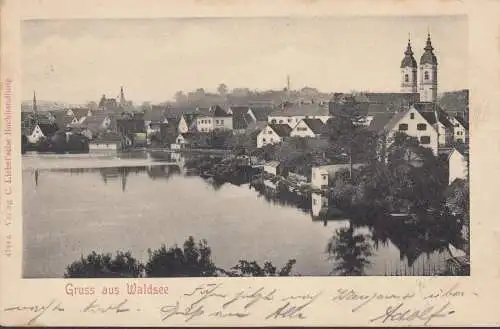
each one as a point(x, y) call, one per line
point(104, 266)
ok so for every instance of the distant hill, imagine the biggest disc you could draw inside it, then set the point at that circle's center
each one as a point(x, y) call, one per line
point(455, 101)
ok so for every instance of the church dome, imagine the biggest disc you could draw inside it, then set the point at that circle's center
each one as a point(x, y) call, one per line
point(409, 60)
point(428, 56)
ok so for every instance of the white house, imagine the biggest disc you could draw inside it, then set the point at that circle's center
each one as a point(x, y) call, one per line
point(459, 129)
point(214, 118)
point(309, 128)
point(79, 113)
point(273, 134)
point(41, 130)
point(456, 163)
point(271, 167)
point(292, 114)
point(321, 174)
point(184, 140)
point(412, 123)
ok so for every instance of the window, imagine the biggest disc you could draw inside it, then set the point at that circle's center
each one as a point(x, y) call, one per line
point(272, 140)
point(289, 120)
point(315, 201)
point(222, 122)
point(412, 116)
point(273, 121)
point(421, 126)
point(281, 121)
point(403, 127)
point(264, 140)
point(460, 140)
point(325, 177)
point(425, 140)
point(217, 121)
point(269, 131)
point(407, 78)
point(426, 75)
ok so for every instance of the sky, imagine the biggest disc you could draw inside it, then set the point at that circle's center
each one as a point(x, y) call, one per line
point(79, 60)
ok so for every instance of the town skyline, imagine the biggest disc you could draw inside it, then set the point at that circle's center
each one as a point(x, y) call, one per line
point(60, 58)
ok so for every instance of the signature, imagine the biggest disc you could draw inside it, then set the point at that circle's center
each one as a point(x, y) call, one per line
point(291, 310)
point(400, 312)
point(39, 310)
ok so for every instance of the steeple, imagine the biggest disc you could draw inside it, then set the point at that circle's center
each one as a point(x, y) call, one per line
point(408, 60)
point(122, 97)
point(428, 73)
point(35, 108)
point(428, 56)
point(408, 71)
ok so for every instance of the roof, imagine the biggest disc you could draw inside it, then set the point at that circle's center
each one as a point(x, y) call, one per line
point(189, 118)
point(261, 113)
point(213, 111)
point(282, 129)
point(79, 112)
point(94, 122)
point(429, 111)
point(409, 60)
point(428, 56)
point(455, 101)
point(316, 125)
point(63, 121)
point(301, 110)
point(462, 121)
point(48, 129)
point(155, 114)
point(380, 121)
point(272, 164)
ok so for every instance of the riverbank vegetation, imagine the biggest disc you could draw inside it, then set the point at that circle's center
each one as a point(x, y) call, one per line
point(191, 260)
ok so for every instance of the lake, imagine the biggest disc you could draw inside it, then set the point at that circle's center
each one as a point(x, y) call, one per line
point(75, 204)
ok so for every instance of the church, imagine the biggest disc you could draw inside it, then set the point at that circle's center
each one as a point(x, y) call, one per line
point(428, 73)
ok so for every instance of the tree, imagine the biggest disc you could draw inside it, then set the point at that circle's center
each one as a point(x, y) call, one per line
point(180, 97)
point(350, 251)
point(193, 260)
point(356, 143)
point(104, 266)
point(246, 268)
point(222, 89)
point(145, 106)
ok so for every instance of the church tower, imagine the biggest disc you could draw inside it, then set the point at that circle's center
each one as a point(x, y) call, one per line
point(408, 71)
point(428, 73)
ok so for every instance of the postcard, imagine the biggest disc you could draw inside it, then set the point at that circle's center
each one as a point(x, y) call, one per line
point(271, 163)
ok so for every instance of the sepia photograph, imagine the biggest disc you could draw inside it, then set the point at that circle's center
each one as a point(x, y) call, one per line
point(245, 147)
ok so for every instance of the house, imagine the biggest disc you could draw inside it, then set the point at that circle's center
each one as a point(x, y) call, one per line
point(187, 123)
point(319, 203)
point(63, 121)
point(79, 113)
point(110, 143)
point(291, 114)
point(455, 162)
point(41, 130)
point(273, 134)
point(260, 114)
point(155, 115)
point(184, 140)
point(271, 168)
point(129, 126)
point(309, 128)
point(241, 118)
point(438, 118)
point(408, 121)
point(320, 175)
point(96, 123)
point(213, 118)
point(460, 129)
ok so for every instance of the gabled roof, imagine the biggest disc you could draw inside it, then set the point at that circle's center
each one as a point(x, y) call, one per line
point(48, 129)
point(380, 121)
point(462, 121)
point(241, 120)
point(155, 114)
point(261, 113)
point(429, 112)
point(239, 110)
point(282, 130)
point(62, 121)
point(79, 112)
point(93, 122)
point(213, 111)
point(189, 118)
point(316, 125)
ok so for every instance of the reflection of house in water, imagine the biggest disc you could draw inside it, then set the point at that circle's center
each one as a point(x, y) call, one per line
point(36, 177)
point(162, 171)
point(116, 173)
point(319, 204)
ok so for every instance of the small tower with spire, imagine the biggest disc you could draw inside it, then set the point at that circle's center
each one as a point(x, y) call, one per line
point(34, 106)
point(408, 71)
point(122, 97)
point(428, 73)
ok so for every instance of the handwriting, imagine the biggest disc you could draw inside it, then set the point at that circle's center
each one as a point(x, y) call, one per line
point(291, 311)
point(448, 293)
point(94, 307)
point(352, 295)
point(189, 312)
point(402, 313)
point(254, 297)
point(39, 310)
